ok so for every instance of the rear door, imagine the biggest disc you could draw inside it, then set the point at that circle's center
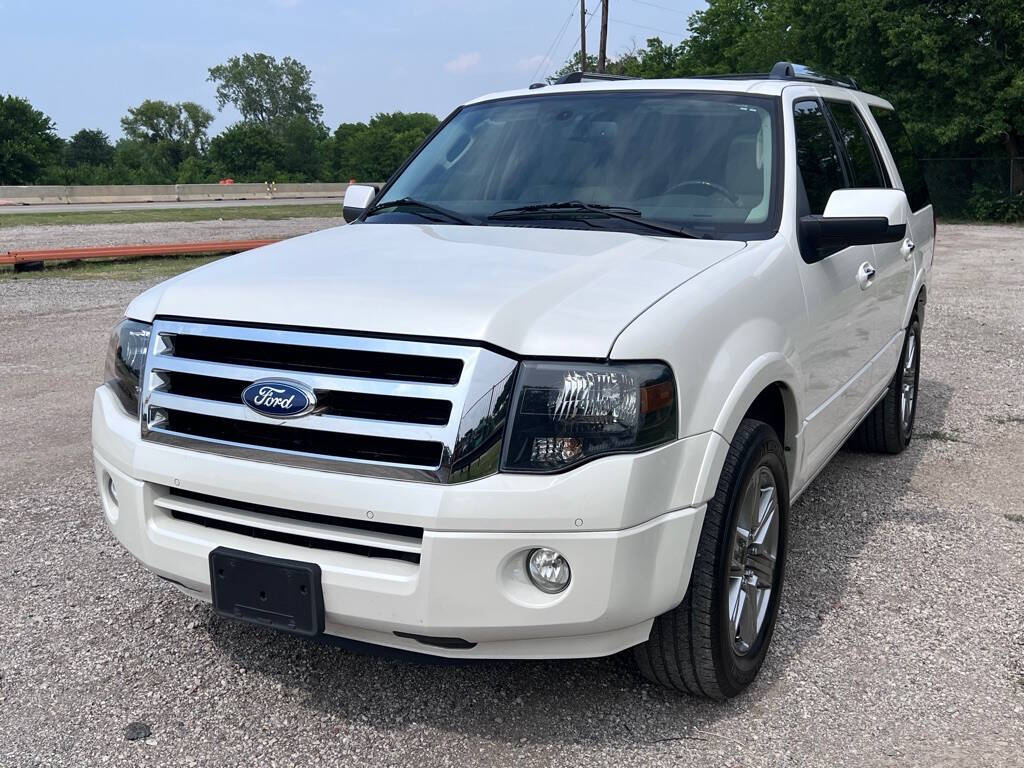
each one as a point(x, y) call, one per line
point(906, 174)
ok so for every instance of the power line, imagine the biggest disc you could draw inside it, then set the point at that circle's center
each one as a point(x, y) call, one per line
point(650, 29)
point(580, 37)
point(662, 7)
point(556, 41)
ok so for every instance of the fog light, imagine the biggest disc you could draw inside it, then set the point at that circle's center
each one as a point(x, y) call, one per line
point(111, 489)
point(548, 570)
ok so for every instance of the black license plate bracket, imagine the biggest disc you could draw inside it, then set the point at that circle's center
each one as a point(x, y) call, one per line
point(270, 591)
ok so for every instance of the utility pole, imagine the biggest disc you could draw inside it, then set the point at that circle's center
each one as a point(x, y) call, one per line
point(603, 49)
point(583, 35)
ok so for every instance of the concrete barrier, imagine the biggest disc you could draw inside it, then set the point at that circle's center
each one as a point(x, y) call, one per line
point(33, 195)
point(164, 193)
point(136, 193)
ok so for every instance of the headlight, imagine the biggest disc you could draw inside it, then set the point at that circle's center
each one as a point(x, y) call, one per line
point(126, 359)
point(568, 413)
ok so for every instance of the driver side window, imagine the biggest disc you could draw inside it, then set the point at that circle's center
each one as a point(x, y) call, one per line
point(817, 157)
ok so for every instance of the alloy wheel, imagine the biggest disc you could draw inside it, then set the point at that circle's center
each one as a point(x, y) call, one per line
point(754, 552)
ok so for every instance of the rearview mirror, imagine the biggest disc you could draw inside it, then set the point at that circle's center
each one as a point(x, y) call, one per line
point(854, 217)
point(357, 199)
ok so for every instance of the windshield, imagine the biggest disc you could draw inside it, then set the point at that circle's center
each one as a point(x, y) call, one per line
point(705, 162)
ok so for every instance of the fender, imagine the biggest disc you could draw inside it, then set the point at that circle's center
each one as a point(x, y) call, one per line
point(769, 369)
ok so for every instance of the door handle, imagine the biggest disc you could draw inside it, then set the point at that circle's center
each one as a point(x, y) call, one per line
point(865, 274)
point(907, 249)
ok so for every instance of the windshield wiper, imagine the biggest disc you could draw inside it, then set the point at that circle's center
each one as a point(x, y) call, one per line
point(414, 203)
point(614, 211)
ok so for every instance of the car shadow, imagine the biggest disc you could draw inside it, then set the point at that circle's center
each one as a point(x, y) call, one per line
point(603, 701)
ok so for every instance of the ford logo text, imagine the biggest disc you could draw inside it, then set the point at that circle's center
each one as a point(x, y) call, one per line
point(279, 399)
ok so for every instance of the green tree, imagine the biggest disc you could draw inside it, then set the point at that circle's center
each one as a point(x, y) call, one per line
point(265, 90)
point(28, 142)
point(373, 151)
point(88, 147)
point(303, 145)
point(182, 126)
point(159, 137)
point(246, 152)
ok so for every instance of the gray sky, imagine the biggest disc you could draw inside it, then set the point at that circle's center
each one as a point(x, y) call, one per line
point(85, 62)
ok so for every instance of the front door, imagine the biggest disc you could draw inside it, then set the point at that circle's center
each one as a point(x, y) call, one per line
point(847, 322)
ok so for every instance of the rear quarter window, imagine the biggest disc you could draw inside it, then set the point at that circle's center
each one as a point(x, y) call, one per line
point(904, 156)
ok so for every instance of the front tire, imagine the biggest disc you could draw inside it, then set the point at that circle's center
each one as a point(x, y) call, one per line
point(890, 426)
point(715, 641)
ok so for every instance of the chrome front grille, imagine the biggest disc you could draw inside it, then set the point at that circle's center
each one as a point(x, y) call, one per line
point(392, 408)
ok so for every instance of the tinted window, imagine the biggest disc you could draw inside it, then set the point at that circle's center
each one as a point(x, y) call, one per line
point(903, 153)
point(865, 170)
point(706, 161)
point(816, 155)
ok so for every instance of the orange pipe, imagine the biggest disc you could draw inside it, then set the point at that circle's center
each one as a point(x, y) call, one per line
point(128, 251)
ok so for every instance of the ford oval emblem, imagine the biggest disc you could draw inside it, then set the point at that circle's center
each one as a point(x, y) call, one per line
point(279, 399)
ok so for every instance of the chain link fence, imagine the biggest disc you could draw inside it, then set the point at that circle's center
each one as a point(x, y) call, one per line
point(989, 188)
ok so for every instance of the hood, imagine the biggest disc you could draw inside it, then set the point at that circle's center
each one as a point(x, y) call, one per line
point(534, 291)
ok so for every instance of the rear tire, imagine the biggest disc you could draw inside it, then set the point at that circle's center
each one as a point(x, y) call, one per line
point(714, 642)
point(890, 426)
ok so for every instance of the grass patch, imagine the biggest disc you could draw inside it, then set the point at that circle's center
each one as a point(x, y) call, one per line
point(141, 215)
point(145, 268)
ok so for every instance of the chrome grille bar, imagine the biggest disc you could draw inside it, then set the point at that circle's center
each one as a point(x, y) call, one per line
point(380, 444)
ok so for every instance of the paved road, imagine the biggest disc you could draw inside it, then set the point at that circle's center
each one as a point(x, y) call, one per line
point(901, 639)
point(14, 210)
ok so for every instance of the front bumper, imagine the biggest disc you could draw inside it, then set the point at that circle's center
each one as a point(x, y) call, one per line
point(469, 582)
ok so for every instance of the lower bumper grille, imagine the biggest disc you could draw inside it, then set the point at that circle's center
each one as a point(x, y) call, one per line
point(302, 529)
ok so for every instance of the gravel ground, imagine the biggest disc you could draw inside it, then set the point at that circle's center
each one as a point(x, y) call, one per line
point(901, 639)
point(82, 235)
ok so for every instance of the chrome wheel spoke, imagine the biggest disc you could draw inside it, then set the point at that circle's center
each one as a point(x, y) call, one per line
point(748, 625)
point(908, 389)
point(736, 599)
point(762, 564)
point(767, 508)
point(911, 356)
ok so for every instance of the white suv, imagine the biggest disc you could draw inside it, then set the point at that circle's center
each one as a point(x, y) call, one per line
point(553, 390)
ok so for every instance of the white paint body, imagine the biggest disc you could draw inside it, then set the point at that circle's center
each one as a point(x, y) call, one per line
point(730, 318)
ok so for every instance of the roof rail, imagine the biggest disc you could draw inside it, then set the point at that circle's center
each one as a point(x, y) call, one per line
point(787, 70)
point(783, 70)
point(579, 77)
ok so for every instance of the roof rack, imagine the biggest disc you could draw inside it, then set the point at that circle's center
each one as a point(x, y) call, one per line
point(787, 70)
point(783, 70)
point(579, 77)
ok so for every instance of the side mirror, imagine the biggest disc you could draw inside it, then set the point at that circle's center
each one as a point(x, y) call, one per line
point(357, 199)
point(854, 217)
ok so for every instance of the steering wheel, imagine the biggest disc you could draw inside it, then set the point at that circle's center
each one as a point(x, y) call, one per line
point(706, 188)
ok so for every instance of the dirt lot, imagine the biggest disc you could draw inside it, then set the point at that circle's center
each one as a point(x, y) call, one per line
point(20, 238)
point(901, 639)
